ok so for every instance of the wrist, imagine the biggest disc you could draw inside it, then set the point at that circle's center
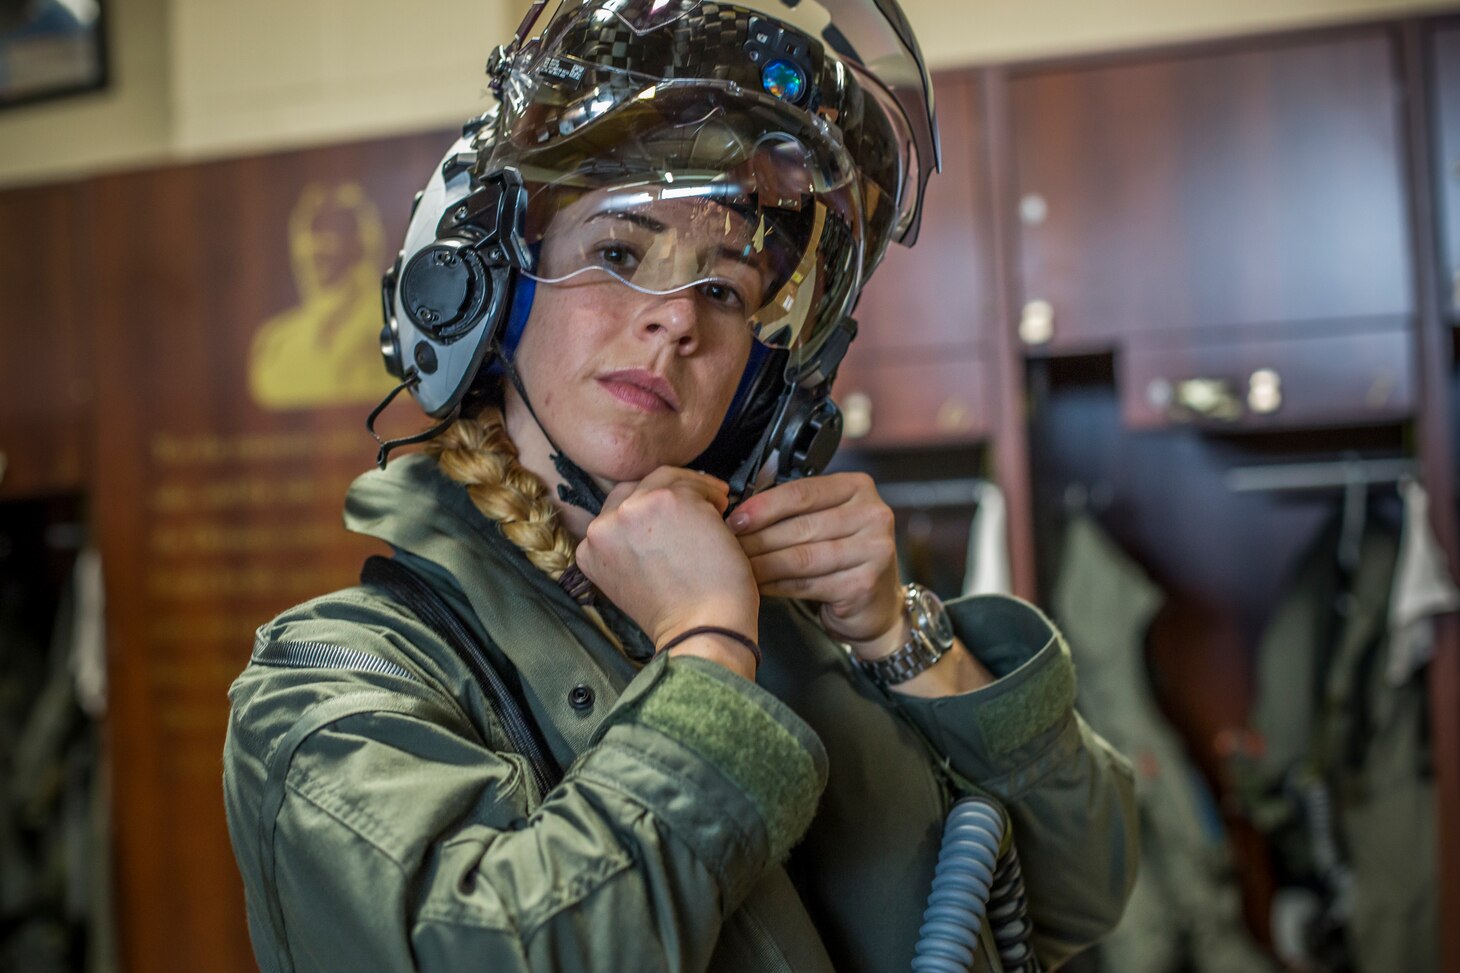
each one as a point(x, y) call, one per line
point(736, 614)
point(927, 635)
point(731, 649)
point(885, 644)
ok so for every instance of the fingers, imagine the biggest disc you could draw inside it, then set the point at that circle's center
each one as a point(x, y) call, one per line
point(822, 558)
point(701, 485)
point(842, 591)
point(669, 475)
point(826, 539)
point(823, 525)
point(710, 488)
point(620, 492)
point(799, 497)
point(811, 529)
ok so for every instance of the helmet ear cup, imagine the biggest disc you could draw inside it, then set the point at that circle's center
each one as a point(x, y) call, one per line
point(808, 424)
point(390, 330)
point(445, 287)
point(449, 294)
point(812, 430)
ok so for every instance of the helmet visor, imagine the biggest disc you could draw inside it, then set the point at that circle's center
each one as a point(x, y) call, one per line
point(675, 194)
point(751, 266)
point(872, 37)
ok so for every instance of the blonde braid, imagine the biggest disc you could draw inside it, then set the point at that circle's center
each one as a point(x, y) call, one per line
point(478, 454)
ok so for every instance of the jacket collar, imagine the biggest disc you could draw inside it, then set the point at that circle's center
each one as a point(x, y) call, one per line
point(415, 508)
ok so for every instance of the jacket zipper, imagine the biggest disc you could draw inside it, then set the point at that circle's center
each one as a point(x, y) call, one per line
point(322, 655)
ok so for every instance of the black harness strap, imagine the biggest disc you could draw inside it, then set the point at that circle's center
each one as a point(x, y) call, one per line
point(427, 604)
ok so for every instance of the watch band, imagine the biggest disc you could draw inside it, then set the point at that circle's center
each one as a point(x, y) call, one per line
point(925, 645)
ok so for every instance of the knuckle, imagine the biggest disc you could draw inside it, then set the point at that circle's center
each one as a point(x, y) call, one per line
point(884, 519)
point(650, 502)
point(804, 557)
point(795, 586)
point(802, 530)
point(798, 492)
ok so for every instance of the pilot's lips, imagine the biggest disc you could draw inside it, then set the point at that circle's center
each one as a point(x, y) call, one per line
point(641, 389)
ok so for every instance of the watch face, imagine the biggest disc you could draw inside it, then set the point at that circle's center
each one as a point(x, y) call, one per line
point(934, 619)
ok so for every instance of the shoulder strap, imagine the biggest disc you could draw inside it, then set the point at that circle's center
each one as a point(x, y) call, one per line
point(427, 604)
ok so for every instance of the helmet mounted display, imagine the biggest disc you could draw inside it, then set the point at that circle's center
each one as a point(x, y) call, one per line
point(760, 153)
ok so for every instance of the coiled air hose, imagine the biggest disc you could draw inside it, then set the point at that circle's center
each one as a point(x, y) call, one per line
point(973, 881)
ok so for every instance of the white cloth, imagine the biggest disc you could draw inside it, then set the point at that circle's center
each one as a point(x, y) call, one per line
point(1422, 589)
point(987, 568)
point(88, 634)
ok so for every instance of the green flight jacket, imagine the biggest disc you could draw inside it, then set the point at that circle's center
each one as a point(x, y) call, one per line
point(705, 822)
point(1186, 909)
point(1325, 706)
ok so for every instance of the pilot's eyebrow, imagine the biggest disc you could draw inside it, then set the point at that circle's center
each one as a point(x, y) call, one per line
point(638, 219)
point(654, 226)
point(741, 257)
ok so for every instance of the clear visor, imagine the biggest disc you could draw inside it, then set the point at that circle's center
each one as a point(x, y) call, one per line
point(750, 266)
point(762, 229)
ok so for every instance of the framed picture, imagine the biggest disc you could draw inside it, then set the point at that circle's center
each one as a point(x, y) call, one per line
point(50, 49)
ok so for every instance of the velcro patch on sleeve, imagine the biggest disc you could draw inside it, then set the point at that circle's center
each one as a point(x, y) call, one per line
point(1038, 702)
point(744, 741)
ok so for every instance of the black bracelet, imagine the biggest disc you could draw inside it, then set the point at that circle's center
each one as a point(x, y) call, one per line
point(729, 633)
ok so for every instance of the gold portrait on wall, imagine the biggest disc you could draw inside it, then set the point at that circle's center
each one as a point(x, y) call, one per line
point(325, 351)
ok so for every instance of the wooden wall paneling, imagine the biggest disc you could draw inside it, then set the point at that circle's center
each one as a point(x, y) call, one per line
point(1276, 380)
point(237, 310)
point(1432, 79)
point(938, 295)
point(45, 371)
point(1251, 185)
point(897, 404)
point(917, 373)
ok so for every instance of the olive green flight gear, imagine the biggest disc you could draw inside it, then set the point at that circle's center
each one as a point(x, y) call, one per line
point(705, 822)
point(1334, 726)
point(1186, 910)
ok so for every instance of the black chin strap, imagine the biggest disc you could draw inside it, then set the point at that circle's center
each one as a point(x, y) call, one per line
point(577, 488)
point(742, 481)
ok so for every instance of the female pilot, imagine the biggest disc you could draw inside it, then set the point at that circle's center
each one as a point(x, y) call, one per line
point(640, 690)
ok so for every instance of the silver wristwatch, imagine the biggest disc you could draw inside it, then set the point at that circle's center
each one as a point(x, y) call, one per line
point(932, 635)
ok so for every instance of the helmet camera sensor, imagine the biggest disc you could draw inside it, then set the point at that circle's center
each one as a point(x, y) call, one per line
point(784, 80)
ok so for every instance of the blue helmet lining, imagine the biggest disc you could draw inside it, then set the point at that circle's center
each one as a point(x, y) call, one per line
point(758, 354)
point(523, 292)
